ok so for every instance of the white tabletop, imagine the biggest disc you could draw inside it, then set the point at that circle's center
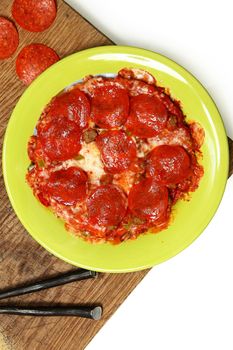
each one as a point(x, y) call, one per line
point(186, 302)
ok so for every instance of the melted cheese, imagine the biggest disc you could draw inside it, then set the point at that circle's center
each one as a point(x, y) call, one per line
point(91, 163)
point(124, 180)
point(176, 137)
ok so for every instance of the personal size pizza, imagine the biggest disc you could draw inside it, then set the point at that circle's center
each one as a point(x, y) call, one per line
point(112, 155)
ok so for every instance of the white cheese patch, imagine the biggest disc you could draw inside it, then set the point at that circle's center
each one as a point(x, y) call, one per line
point(124, 180)
point(91, 162)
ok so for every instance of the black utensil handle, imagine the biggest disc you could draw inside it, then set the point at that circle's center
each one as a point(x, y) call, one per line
point(93, 313)
point(69, 277)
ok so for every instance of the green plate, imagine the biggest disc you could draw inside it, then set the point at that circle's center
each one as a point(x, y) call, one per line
point(191, 217)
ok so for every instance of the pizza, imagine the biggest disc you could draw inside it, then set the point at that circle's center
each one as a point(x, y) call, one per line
point(111, 156)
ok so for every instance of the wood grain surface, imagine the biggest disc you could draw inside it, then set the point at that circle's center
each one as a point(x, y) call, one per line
point(21, 258)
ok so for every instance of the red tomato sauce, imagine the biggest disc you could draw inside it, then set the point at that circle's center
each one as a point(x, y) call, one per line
point(111, 157)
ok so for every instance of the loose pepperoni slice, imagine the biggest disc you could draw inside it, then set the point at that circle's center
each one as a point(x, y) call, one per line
point(148, 116)
point(60, 138)
point(72, 104)
point(118, 150)
point(33, 60)
point(149, 201)
point(168, 164)
point(106, 206)
point(67, 186)
point(9, 38)
point(109, 106)
point(34, 15)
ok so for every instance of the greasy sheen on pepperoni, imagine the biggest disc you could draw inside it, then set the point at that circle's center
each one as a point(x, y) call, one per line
point(60, 139)
point(118, 150)
point(67, 186)
point(33, 60)
point(106, 205)
point(148, 116)
point(168, 164)
point(72, 104)
point(149, 201)
point(9, 38)
point(34, 15)
point(109, 106)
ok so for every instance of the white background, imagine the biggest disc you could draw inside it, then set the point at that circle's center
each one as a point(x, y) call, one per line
point(186, 302)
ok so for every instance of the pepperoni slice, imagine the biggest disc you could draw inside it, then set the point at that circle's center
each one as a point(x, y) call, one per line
point(109, 106)
point(60, 139)
point(118, 150)
point(168, 164)
point(9, 38)
point(67, 186)
point(149, 201)
point(173, 106)
point(34, 16)
point(106, 206)
point(72, 104)
point(33, 60)
point(148, 116)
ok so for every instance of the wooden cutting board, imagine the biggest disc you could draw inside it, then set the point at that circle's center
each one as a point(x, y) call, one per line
point(21, 258)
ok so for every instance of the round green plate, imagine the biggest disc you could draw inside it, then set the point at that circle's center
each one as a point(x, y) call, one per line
point(190, 217)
